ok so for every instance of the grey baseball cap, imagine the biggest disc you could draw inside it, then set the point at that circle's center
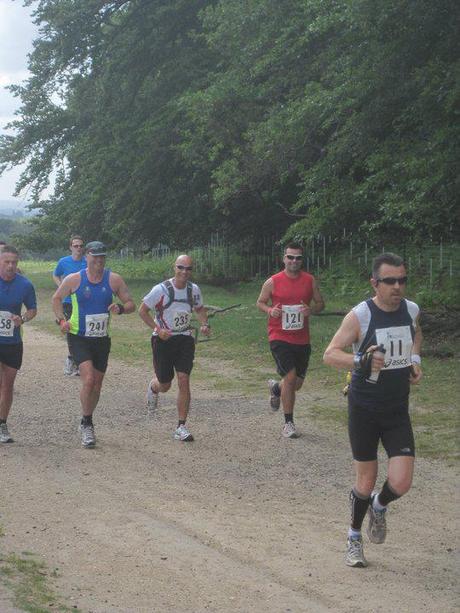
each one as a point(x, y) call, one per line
point(96, 248)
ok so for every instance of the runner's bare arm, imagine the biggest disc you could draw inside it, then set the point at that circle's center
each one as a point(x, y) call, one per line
point(18, 320)
point(202, 316)
point(144, 314)
point(348, 333)
point(416, 373)
point(67, 287)
point(57, 280)
point(265, 297)
point(120, 289)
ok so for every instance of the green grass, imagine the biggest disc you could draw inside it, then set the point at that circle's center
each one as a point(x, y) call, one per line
point(238, 360)
point(28, 579)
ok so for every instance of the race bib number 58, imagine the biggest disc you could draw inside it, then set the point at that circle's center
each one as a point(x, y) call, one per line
point(96, 325)
point(6, 324)
point(292, 317)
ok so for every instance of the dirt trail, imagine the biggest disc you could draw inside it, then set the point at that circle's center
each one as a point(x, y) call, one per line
point(240, 520)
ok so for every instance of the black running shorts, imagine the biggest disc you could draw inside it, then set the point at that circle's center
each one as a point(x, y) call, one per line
point(175, 354)
point(96, 350)
point(288, 356)
point(11, 355)
point(367, 427)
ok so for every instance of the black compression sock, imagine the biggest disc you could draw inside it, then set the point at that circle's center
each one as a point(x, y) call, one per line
point(87, 420)
point(289, 417)
point(359, 504)
point(2, 421)
point(276, 389)
point(181, 422)
point(387, 495)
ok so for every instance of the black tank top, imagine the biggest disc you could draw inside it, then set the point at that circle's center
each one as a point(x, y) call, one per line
point(395, 330)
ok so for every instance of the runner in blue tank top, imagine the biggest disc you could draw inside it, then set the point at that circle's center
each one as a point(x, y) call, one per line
point(66, 266)
point(386, 339)
point(15, 291)
point(92, 294)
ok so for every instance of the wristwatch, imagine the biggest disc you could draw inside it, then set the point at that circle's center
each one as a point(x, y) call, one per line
point(357, 360)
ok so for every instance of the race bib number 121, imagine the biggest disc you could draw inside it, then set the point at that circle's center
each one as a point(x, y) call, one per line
point(291, 317)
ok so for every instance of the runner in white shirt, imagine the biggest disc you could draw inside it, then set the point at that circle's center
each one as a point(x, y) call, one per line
point(173, 347)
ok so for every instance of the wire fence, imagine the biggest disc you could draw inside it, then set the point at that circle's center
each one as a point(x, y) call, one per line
point(256, 259)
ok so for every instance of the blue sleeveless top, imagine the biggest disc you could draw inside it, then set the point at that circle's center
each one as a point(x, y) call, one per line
point(90, 303)
point(396, 331)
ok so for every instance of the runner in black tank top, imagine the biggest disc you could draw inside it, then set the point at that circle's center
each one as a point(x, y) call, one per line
point(386, 340)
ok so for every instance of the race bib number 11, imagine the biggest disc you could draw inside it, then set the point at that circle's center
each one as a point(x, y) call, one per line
point(6, 324)
point(96, 325)
point(292, 317)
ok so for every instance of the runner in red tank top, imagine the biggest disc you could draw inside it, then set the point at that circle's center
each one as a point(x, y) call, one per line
point(286, 297)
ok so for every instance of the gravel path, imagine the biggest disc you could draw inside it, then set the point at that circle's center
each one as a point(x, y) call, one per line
point(239, 520)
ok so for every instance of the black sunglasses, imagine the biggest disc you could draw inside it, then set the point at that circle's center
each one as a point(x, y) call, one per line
point(297, 258)
point(181, 267)
point(393, 280)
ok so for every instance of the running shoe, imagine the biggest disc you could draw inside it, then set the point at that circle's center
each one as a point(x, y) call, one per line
point(377, 528)
point(75, 369)
point(152, 400)
point(289, 430)
point(4, 434)
point(69, 366)
point(88, 438)
point(274, 399)
point(355, 553)
point(183, 434)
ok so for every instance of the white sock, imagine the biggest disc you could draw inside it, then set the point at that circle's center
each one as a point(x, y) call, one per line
point(354, 534)
point(376, 504)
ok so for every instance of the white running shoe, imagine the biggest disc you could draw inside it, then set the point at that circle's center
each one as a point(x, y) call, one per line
point(289, 430)
point(355, 553)
point(377, 527)
point(4, 434)
point(152, 401)
point(88, 438)
point(274, 399)
point(69, 366)
point(183, 434)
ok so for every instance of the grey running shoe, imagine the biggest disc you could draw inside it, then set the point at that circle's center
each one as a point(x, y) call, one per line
point(183, 434)
point(289, 430)
point(88, 438)
point(377, 527)
point(69, 366)
point(152, 401)
point(355, 553)
point(4, 434)
point(274, 399)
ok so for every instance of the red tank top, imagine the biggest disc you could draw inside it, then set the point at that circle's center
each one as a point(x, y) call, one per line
point(287, 290)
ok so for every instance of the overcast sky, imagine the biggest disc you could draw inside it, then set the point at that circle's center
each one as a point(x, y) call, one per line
point(16, 35)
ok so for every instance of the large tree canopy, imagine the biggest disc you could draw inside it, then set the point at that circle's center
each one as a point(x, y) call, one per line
point(166, 120)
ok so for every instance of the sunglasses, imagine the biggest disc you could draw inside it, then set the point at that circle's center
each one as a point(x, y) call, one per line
point(393, 280)
point(297, 258)
point(181, 267)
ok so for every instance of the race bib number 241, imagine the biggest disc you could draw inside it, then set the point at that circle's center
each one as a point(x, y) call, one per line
point(96, 325)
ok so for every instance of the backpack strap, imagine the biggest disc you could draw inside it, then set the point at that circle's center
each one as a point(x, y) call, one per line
point(169, 287)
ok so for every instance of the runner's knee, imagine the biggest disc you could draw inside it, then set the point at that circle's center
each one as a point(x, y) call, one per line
point(183, 380)
point(164, 387)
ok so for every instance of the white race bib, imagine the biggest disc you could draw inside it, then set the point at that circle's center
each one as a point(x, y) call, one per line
point(6, 324)
point(181, 320)
point(398, 346)
point(96, 325)
point(292, 317)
